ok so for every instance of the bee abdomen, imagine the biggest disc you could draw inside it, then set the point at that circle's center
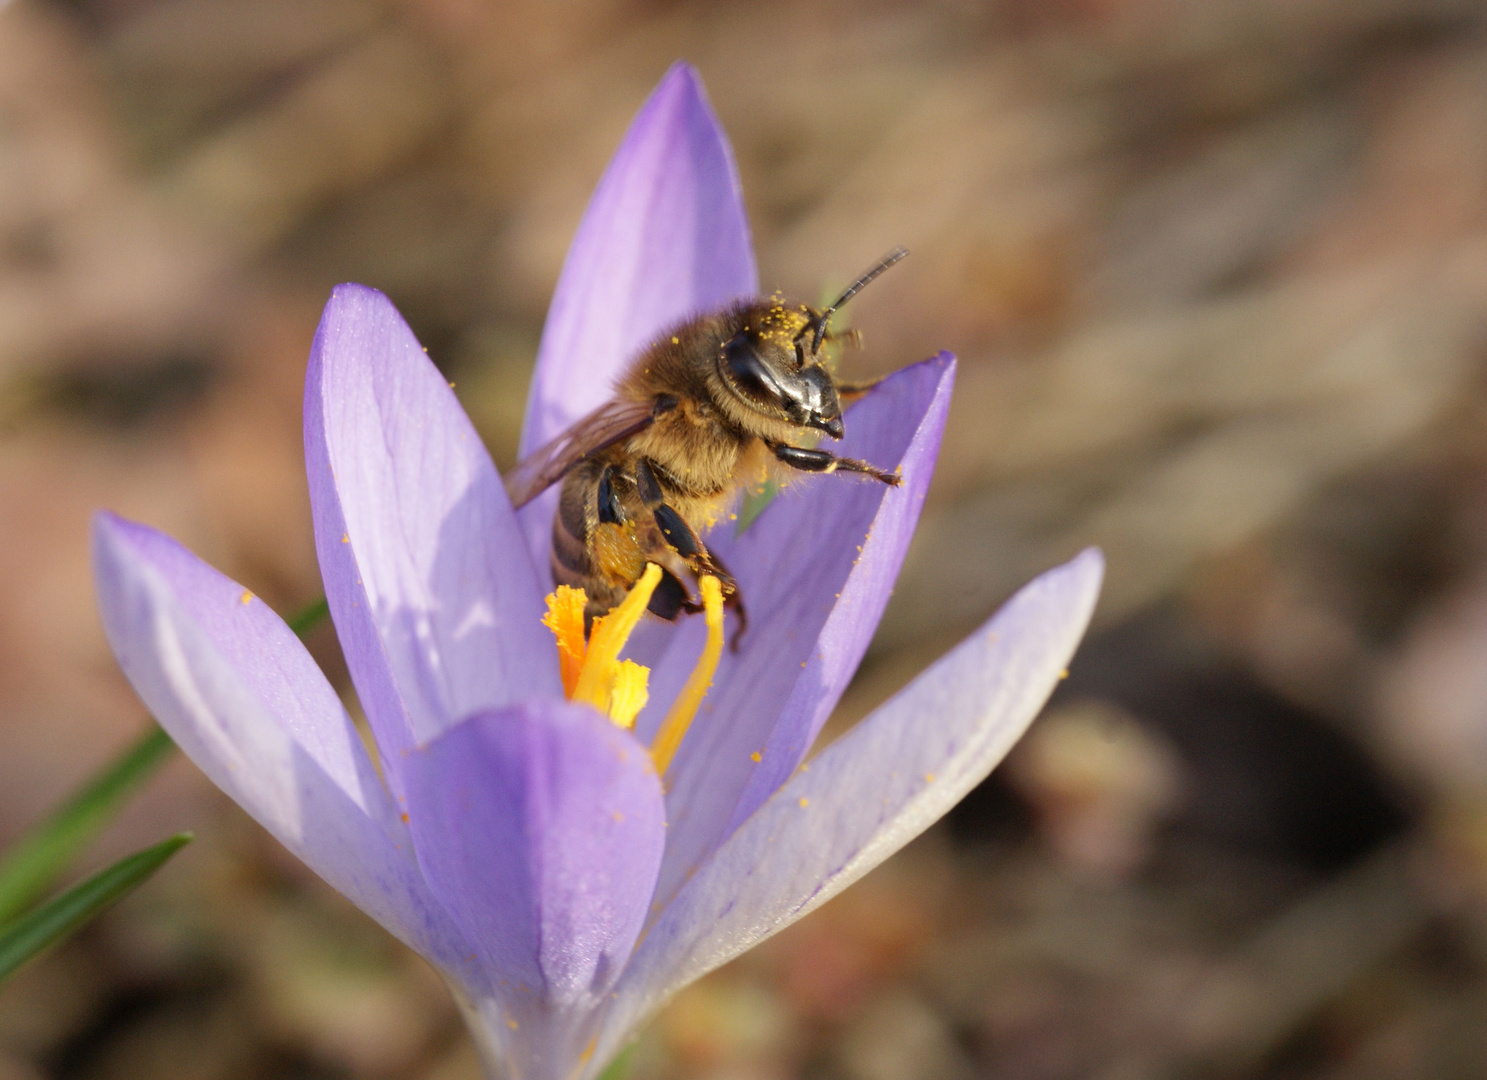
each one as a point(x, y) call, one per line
point(570, 555)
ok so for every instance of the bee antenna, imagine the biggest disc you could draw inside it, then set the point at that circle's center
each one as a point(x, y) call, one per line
point(852, 290)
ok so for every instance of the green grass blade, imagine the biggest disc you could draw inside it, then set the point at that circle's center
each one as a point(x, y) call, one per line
point(309, 617)
point(620, 1067)
point(30, 867)
point(55, 920)
point(754, 501)
point(33, 864)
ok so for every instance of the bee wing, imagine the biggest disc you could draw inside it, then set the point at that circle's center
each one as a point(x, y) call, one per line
point(605, 426)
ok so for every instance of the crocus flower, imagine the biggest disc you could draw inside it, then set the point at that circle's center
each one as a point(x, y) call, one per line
point(522, 842)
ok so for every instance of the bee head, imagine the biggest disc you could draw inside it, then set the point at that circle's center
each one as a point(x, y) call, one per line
point(767, 374)
point(774, 365)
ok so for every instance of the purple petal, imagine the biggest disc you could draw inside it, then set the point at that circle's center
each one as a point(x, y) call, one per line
point(664, 237)
point(240, 695)
point(816, 570)
point(425, 568)
point(867, 794)
point(541, 828)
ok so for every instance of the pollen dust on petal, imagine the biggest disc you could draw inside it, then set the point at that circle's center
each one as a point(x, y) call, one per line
point(756, 757)
point(247, 597)
point(804, 802)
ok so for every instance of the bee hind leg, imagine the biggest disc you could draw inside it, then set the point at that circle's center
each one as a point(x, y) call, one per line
point(613, 550)
point(611, 510)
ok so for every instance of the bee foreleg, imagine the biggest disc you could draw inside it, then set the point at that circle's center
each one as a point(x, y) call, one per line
point(824, 461)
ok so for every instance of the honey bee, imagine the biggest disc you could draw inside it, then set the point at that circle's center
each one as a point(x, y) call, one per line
point(709, 407)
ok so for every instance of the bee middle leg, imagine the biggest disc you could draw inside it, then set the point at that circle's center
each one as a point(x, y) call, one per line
point(685, 544)
point(680, 536)
point(734, 600)
point(673, 597)
point(824, 461)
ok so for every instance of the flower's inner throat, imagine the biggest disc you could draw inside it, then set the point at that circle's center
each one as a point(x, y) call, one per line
point(593, 672)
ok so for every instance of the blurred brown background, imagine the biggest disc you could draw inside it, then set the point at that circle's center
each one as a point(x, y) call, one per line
point(1217, 274)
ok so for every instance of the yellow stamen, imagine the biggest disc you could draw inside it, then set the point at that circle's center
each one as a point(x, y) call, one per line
point(608, 637)
point(684, 709)
point(594, 674)
point(565, 619)
point(629, 693)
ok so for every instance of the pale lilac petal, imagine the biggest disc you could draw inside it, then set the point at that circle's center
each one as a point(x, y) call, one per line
point(816, 570)
point(867, 794)
point(428, 578)
point(541, 828)
point(664, 237)
point(240, 695)
point(519, 1036)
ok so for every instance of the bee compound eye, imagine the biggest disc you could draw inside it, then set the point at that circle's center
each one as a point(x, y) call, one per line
point(750, 374)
